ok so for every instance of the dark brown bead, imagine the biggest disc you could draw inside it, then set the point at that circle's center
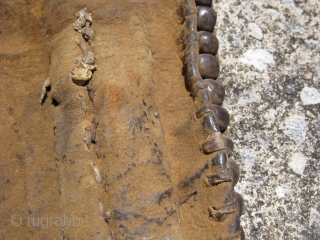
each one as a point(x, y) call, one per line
point(210, 124)
point(222, 117)
point(204, 2)
point(202, 98)
point(208, 66)
point(220, 160)
point(229, 144)
point(208, 43)
point(234, 172)
point(235, 225)
point(205, 97)
point(239, 202)
point(207, 18)
point(216, 90)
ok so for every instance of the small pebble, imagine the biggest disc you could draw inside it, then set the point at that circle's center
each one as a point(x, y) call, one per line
point(226, 81)
point(259, 58)
point(296, 128)
point(247, 14)
point(312, 2)
point(303, 208)
point(310, 96)
point(298, 163)
point(255, 31)
point(271, 26)
point(236, 41)
point(274, 14)
point(156, 114)
point(307, 76)
point(310, 115)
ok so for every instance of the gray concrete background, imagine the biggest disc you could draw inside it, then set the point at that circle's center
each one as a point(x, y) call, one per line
point(270, 65)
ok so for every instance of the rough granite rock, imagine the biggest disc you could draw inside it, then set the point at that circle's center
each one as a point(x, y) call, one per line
point(276, 132)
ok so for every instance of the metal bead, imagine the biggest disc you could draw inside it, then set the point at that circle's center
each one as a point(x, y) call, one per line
point(235, 225)
point(208, 43)
point(216, 90)
point(234, 171)
point(239, 202)
point(229, 144)
point(208, 66)
point(222, 116)
point(205, 97)
point(220, 160)
point(207, 18)
point(209, 123)
point(204, 2)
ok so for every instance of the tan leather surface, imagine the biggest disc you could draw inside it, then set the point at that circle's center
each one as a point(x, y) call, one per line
point(148, 139)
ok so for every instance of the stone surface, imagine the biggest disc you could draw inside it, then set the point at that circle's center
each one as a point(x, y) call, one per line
point(268, 116)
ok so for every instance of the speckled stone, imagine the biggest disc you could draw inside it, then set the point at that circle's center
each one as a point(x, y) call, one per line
point(270, 126)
